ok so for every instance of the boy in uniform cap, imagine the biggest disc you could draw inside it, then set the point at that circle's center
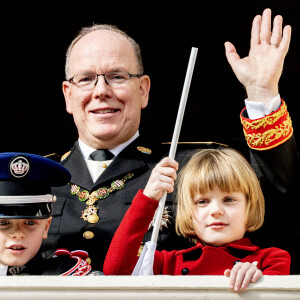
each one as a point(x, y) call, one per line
point(25, 217)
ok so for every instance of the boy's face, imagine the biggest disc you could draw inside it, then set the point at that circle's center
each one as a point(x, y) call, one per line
point(219, 217)
point(20, 239)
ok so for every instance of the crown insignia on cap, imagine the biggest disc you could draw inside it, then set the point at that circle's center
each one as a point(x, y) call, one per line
point(19, 167)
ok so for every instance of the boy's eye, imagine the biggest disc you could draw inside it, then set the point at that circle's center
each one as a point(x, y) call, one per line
point(4, 222)
point(30, 222)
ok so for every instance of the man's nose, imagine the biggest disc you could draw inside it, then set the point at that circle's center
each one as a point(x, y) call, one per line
point(102, 88)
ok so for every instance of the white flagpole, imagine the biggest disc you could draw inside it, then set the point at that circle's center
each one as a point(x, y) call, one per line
point(180, 114)
point(144, 265)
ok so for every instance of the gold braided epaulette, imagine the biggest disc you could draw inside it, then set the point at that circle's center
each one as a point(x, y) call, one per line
point(270, 131)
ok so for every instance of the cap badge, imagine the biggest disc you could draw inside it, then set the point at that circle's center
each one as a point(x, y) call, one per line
point(19, 167)
point(144, 150)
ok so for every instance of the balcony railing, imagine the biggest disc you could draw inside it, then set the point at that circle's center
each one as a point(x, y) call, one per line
point(144, 287)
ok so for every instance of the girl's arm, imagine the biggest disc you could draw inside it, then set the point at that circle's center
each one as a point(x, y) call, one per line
point(122, 254)
point(275, 261)
point(121, 257)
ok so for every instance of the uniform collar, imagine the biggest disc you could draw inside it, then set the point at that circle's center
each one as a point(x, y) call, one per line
point(128, 160)
point(3, 270)
point(87, 150)
point(242, 244)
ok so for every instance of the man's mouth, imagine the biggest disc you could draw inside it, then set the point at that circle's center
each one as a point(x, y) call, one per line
point(105, 111)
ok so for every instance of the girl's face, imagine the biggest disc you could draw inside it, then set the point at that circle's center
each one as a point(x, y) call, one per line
point(219, 217)
point(20, 239)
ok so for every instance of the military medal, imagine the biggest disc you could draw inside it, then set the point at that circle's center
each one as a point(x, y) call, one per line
point(164, 219)
point(90, 214)
point(93, 218)
point(89, 211)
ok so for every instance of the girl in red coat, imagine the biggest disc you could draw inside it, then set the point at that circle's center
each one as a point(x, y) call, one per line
point(219, 198)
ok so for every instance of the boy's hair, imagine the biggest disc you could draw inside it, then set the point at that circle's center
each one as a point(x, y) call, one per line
point(226, 169)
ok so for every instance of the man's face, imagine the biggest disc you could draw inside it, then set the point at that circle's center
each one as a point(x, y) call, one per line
point(20, 239)
point(105, 116)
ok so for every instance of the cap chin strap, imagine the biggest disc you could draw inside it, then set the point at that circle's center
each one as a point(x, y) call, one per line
point(26, 199)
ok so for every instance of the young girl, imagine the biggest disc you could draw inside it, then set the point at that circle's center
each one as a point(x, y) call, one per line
point(218, 199)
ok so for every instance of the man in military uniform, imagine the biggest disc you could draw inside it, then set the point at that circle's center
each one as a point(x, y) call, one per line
point(25, 216)
point(105, 90)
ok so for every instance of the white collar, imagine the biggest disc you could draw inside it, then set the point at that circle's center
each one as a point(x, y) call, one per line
point(3, 270)
point(87, 150)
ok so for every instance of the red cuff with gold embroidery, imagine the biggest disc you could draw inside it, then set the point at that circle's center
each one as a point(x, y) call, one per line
point(270, 131)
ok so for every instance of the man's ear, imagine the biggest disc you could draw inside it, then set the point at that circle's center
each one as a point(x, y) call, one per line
point(47, 228)
point(68, 96)
point(144, 90)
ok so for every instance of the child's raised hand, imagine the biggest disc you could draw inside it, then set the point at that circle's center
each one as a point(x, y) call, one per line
point(162, 178)
point(242, 274)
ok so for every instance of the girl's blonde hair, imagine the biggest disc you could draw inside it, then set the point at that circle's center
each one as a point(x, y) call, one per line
point(226, 169)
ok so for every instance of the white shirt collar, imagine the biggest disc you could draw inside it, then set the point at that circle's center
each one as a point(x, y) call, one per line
point(87, 150)
point(3, 270)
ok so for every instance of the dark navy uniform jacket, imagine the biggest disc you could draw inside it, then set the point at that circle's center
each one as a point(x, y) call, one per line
point(61, 265)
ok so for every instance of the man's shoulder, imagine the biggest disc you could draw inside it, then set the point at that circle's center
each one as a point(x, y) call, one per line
point(62, 158)
point(154, 150)
point(181, 146)
point(164, 146)
point(186, 149)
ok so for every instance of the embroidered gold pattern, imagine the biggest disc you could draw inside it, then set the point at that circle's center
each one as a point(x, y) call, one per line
point(282, 131)
point(268, 120)
point(258, 135)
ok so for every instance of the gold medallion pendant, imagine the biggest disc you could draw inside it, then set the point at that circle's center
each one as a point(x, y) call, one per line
point(90, 214)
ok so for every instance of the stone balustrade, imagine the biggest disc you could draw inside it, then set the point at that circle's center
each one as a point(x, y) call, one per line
point(144, 287)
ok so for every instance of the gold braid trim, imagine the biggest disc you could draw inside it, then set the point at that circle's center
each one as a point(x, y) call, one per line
point(268, 120)
point(265, 140)
point(270, 131)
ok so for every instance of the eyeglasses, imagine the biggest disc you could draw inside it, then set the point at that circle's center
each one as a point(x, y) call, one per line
point(113, 79)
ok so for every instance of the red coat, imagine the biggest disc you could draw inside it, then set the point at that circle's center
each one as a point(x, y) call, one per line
point(198, 260)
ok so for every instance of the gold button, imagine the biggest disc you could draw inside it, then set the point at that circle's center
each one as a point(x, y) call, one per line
point(93, 219)
point(88, 235)
point(104, 165)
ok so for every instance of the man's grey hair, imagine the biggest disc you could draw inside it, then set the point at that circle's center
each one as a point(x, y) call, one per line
point(85, 30)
